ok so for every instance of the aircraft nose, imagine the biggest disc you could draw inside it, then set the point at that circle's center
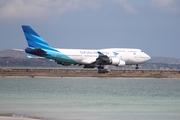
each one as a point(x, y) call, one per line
point(148, 57)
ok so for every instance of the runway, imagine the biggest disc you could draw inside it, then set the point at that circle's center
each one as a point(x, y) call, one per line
point(79, 72)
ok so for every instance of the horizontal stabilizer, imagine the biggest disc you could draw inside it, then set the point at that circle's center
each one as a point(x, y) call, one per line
point(33, 56)
point(35, 51)
point(29, 56)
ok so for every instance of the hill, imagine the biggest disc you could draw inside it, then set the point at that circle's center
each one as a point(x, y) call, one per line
point(13, 53)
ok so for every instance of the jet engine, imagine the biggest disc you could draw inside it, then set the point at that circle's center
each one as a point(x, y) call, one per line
point(117, 62)
point(121, 63)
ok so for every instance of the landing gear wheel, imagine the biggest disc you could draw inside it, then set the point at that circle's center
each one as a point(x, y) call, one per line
point(136, 67)
point(100, 67)
point(88, 66)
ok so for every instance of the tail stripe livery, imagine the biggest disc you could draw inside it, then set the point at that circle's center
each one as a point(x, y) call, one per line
point(38, 47)
point(34, 40)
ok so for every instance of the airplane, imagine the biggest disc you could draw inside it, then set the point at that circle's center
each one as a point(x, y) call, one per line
point(89, 58)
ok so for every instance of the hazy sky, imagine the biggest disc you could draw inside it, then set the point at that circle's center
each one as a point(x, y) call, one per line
point(150, 25)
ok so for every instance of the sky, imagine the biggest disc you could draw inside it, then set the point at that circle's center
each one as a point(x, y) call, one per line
point(150, 25)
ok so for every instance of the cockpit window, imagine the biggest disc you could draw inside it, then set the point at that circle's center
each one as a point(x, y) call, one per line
point(141, 51)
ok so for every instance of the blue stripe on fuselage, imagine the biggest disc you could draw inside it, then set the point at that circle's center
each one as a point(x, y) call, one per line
point(57, 56)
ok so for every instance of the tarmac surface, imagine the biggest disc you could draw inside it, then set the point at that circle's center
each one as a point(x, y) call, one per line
point(79, 72)
point(16, 118)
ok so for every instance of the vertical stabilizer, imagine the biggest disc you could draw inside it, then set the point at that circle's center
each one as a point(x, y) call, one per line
point(34, 40)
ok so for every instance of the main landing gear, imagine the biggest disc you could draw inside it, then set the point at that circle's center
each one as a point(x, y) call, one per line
point(100, 67)
point(88, 66)
point(137, 67)
point(91, 66)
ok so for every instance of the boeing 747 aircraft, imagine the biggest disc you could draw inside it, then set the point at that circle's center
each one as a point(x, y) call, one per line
point(89, 58)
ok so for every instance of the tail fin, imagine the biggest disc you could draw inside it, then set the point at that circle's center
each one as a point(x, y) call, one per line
point(34, 40)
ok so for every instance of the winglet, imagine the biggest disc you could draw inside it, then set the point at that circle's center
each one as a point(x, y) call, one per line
point(100, 53)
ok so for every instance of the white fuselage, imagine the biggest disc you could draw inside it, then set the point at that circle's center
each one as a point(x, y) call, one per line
point(85, 56)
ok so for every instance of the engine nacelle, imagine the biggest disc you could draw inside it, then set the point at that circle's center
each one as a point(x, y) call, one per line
point(114, 61)
point(117, 62)
point(122, 63)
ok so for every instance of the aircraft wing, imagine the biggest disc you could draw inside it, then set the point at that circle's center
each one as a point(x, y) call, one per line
point(102, 59)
